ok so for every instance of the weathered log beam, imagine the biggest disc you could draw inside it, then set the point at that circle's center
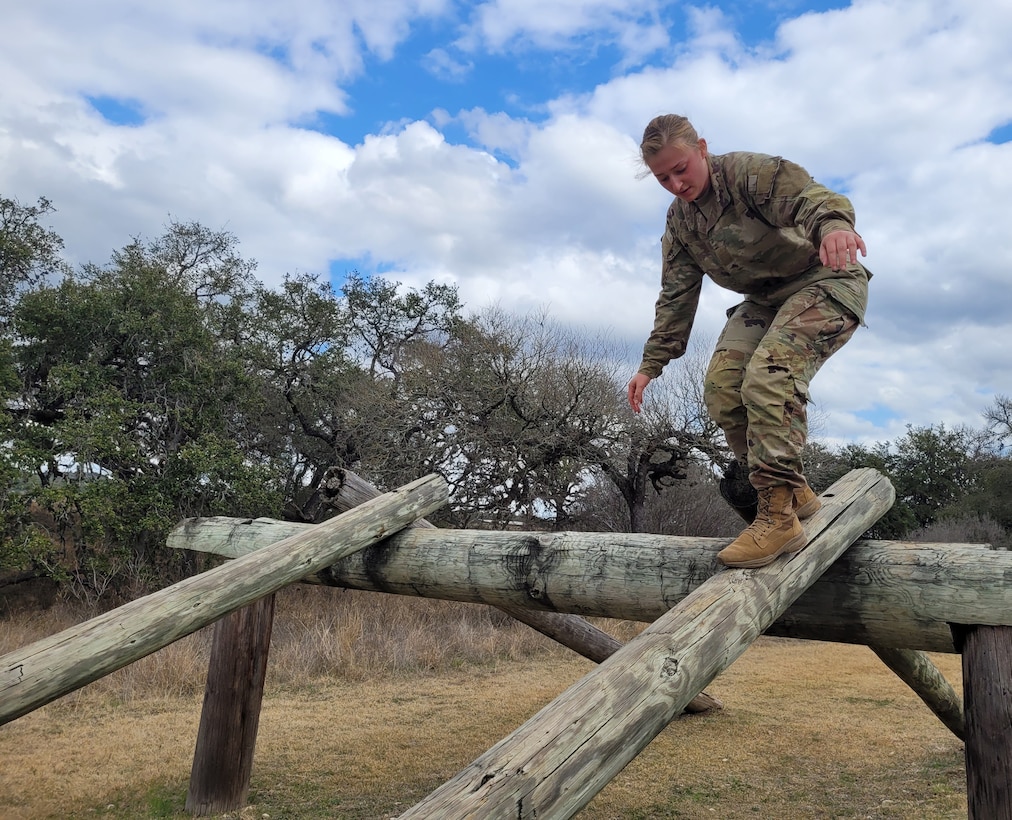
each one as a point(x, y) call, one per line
point(555, 763)
point(916, 670)
point(345, 490)
point(43, 671)
point(879, 593)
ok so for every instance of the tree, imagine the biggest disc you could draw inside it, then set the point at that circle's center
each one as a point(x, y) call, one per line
point(29, 252)
point(931, 469)
point(132, 412)
point(989, 496)
point(513, 410)
point(672, 434)
point(315, 395)
point(998, 421)
point(386, 319)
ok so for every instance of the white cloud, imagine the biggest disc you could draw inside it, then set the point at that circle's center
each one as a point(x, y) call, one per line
point(635, 25)
point(893, 100)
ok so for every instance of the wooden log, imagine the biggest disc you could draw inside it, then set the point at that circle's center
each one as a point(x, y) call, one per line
point(43, 671)
point(879, 593)
point(918, 671)
point(987, 681)
point(345, 490)
point(555, 763)
point(226, 738)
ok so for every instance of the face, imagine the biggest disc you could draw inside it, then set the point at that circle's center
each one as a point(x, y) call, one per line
point(682, 169)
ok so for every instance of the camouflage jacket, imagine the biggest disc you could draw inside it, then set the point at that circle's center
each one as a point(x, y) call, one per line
point(755, 231)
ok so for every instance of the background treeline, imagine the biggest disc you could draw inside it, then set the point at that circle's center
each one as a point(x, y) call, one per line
point(170, 382)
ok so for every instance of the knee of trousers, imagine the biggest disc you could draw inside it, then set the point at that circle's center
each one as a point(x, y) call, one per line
point(722, 394)
point(775, 398)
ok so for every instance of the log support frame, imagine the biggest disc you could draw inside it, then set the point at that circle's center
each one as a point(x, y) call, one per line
point(985, 645)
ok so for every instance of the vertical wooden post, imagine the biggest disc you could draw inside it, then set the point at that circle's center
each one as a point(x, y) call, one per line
point(223, 760)
point(987, 703)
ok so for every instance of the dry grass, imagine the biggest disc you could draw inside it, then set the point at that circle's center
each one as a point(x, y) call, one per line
point(373, 701)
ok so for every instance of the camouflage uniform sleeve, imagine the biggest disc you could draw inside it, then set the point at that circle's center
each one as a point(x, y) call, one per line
point(675, 310)
point(786, 195)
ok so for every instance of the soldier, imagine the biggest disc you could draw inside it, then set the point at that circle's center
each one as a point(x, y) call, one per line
point(760, 226)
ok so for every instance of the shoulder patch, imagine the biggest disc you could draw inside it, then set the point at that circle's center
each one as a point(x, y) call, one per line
point(760, 184)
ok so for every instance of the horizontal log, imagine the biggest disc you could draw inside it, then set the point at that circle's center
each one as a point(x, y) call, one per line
point(43, 671)
point(879, 593)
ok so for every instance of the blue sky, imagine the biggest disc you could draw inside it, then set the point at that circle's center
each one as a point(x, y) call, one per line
point(492, 145)
point(518, 80)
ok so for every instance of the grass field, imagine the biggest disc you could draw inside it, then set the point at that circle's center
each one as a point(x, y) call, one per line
point(373, 701)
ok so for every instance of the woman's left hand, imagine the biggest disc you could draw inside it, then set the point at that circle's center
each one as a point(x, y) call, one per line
point(839, 249)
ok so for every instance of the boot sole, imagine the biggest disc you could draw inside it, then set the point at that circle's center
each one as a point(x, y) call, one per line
point(796, 544)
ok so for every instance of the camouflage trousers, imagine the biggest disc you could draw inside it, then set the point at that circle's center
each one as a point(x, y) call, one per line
point(756, 386)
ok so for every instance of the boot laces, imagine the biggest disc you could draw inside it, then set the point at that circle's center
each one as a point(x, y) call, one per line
point(763, 522)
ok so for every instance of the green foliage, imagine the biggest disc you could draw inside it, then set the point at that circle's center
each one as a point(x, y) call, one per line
point(297, 340)
point(132, 410)
point(990, 494)
point(930, 468)
point(28, 251)
point(387, 320)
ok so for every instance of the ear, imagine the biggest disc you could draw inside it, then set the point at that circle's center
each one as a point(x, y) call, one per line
point(702, 146)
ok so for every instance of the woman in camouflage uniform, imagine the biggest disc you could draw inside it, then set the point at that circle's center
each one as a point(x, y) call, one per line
point(760, 226)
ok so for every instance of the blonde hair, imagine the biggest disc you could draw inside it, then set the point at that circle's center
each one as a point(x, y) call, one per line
point(665, 130)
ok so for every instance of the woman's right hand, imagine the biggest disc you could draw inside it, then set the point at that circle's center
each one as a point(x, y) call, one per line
point(637, 385)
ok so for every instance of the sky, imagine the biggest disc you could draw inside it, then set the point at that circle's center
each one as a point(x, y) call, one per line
point(494, 146)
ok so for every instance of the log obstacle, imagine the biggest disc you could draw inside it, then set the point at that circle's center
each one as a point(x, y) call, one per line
point(34, 675)
point(903, 590)
point(346, 490)
point(879, 593)
point(555, 763)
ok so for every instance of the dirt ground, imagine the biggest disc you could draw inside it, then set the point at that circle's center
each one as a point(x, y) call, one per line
point(808, 730)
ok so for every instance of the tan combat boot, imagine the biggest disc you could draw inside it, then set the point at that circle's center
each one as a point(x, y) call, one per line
point(775, 531)
point(806, 502)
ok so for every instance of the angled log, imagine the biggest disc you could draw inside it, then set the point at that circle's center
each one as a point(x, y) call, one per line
point(555, 763)
point(43, 671)
point(918, 671)
point(345, 490)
